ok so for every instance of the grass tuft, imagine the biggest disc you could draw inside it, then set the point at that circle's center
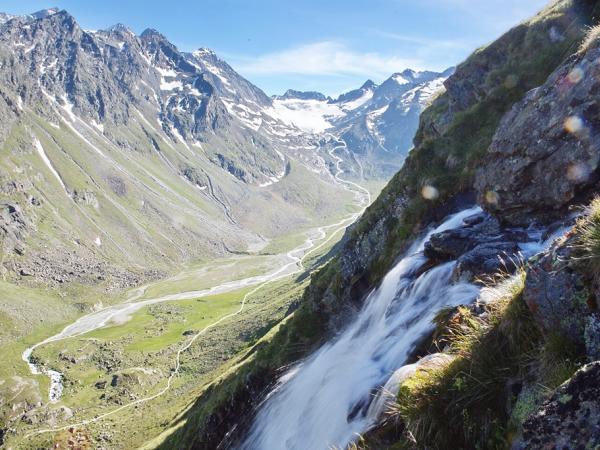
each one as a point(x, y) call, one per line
point(588, 232)
point(473, 401)
point(591, 37)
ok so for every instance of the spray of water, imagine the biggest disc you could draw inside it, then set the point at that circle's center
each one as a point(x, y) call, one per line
point(327, 400)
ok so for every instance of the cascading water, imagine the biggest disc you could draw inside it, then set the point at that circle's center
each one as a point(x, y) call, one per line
point(326, 400)
point(324, 403)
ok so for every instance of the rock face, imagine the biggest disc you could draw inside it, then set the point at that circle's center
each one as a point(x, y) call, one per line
point(546, 151)
point(558, 298)
point(571, 418)
point(481, 247)
point(138, 155)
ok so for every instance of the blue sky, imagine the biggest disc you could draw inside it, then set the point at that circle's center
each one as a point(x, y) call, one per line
point(325, 45)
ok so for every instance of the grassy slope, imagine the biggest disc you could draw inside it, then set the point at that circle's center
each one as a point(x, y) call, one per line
point(142, 350)
point(145, 213)
point(450, 142)
point(471, 403)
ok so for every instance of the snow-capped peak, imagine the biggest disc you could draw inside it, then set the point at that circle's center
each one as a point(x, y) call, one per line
point(398, 78)
point(204, 52)
point(5, 17)
point(119, 27)
point(44, 13)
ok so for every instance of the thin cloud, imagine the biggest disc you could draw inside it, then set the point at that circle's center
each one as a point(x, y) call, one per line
point(423, 42)
point(326, 58)
point(486, 13)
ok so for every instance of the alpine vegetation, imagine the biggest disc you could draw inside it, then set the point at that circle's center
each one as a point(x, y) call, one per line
point(189, 262)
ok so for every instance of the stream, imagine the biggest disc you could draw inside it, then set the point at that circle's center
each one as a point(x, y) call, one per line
point(100, 318)
point(325, 401)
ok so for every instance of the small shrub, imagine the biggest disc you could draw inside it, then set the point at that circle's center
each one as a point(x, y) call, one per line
point(591, 37)
point(464, 405)
point(588, 236)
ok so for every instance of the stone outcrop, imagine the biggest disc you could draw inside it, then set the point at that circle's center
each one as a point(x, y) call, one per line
point(570, 419)
point(482, 247)
point(546, 152)
point(558, 295)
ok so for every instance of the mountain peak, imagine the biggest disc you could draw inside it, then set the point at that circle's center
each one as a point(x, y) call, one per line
point(152, 34)
point(369, 84)
point(405, 77)
point(203, 52)
point(43, 13)
point(120, 28)
point(4, 17)
point(302, 95)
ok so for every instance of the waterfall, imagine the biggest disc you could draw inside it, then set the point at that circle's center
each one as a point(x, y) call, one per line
point(324, 401)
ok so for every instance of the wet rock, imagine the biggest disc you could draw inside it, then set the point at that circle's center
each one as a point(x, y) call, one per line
point(487, 259)
point(481, 247)
point(387, 396)
point(551, 137)
point(450, 244)
point(570, 419)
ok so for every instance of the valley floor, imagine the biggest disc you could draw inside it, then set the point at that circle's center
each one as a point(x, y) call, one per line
point(129, 368)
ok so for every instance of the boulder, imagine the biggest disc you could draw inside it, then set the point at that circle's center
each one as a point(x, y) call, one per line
point(570, 419)
point(563, 297)
point(486, 259)
point(481, 247)
point(546, 152)
point(450, 244)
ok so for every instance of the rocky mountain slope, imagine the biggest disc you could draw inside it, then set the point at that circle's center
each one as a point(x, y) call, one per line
point(377, 122)
point(516, 131)
point(122, 156)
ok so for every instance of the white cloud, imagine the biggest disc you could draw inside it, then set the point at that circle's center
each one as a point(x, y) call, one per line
point(424, 43)
point(325, 58)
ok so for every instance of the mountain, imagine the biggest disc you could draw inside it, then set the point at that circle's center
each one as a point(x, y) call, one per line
point(133, 174)
point(366, 89)
point(178, 269)
point(469, 280)
point(123, 154)
point(377, 123)
point(301, 95)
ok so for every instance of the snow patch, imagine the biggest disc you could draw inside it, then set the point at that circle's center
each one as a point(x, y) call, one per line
point(40, 150)
point(250, 118)
point(98, 126)
point(400, 79)
point(170, 85)
point(372, 118)
point(68, 107)
point(351, 105)
point(166, 72)
point(313, 116)
point(44, 68)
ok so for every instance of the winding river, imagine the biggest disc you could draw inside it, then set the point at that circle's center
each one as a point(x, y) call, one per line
point(316, 239)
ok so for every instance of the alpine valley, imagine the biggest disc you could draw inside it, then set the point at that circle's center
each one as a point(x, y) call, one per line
point(154, 201)
point(188, 263)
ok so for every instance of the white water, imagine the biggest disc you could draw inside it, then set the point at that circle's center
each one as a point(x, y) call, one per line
point(324, 401)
